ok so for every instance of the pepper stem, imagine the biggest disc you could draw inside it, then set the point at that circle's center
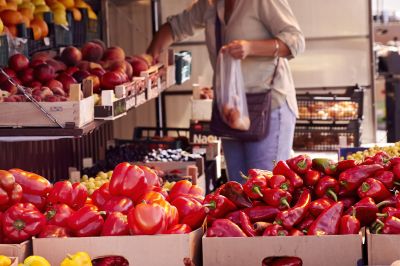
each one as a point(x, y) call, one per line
point(244, 176)
point(302, 164)
point(382, 203)
point(365, 187)
point(284, 186)
point(284, 202)
point(280, 233)
point(382, 215)
point(212, 204)
point(353, 213)
point(396, 183)
point(257, 190)
point(380, 222)
point(378, 230)
point(19, 225)
point(331, 193)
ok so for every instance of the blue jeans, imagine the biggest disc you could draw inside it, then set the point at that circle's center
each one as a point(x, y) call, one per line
point(240, 156)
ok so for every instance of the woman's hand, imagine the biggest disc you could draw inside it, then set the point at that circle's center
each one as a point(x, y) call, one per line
point(162, 39)
point(238, 49)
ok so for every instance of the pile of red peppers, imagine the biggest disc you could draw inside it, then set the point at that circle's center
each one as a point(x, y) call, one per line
point(309, 197)
point(132, 203)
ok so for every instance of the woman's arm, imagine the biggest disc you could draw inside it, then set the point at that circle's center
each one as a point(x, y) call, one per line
point(240, 49)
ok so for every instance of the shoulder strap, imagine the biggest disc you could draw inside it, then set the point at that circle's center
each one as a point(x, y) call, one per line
point(218, 38)
point(275, 72)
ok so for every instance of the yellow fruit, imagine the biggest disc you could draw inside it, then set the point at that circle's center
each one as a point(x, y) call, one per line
point(91, 179)
point(1, 26)
point(26, 12)
point(91, 14)
point(38, 2)
point(4, 260)
point(57, 5)
point(3, 3)
point(109, 173)
point(85, 177)
point(81, 4)
point(60, 17)
point(91, 186)
point(67, 3)
point(76, 14)
point(98, 183)
point(41, 9)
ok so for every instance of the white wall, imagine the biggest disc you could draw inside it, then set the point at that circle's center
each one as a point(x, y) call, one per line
point(389, 5)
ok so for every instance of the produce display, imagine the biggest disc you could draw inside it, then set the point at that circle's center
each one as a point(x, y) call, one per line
point(170, 155)
point(31, 13)
point(93, 183)
point(329, 110)
point(49, 76)
point(309, 197)
point(393, 151)
point(132, 202)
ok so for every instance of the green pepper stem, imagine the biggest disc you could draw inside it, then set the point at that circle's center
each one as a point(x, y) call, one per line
point(365, 187)
point(285, 186)
point(212, 204)
point(380, 222)
point(378, 230)
point(331, 193)
point(382, 215)
point(353, 213)
point(284, 202)
point(257, 190)
point(302, 164)
point(244, 176)
point(382, 203)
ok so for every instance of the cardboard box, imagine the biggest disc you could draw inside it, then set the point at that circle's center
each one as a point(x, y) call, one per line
point(313, 250)
point(74, 111)
point(153, 82)
point(14, 261)
point(138, 250)
point(201, 109)
point(382, 249)
point(19, 251)
point(200, 133)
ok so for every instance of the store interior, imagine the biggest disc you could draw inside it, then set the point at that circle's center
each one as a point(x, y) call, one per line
point(110, 151)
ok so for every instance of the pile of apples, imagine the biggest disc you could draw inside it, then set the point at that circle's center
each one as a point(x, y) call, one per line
point(49, 76)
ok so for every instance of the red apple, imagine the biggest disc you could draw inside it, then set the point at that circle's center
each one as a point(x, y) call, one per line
point(71, 56)
point(18, 62)
point(57, 65)
point(99, 42)
point(66, 80)
point(9, 72)
point(42, 92)
point(111, 79)
point(128, 69)
point(7, 86)
point(58, 91)
point(44, 73)
point(71, 70)
point(81, 75)
point(54, 84)
point(99, 72)
point(114, 54)
point(138, 65)
point(35, 84)
point(92, 51)
point(26, 76)
point(36, 62)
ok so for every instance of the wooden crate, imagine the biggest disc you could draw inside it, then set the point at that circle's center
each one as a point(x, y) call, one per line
point(76, 111)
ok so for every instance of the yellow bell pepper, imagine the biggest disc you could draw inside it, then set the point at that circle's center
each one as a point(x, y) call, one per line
point(35, 261)
point(78, 259)
point(5, 261)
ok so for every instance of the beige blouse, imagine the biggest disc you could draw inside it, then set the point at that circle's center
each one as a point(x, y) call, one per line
point(250, 20)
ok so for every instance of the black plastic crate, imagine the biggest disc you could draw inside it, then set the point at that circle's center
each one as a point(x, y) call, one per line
point(93, 30)
point(78, 32)
point(62, 36)
point(4, 50)
point(309, 136)
point(174, 138)
point(332, 105)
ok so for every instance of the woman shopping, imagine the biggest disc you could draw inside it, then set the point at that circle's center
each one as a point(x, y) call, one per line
point(263, 34)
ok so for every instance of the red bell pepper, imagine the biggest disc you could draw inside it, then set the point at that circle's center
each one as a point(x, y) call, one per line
point(327, 223)
point(396, 171)
point(352, 178)
point(179, 229)
point(22, 221)
point(365, 210)
point(293, 216)
point(282, 168)
point(195, 219)
point(35, 187)
point(375, 189)
point(235, 193)
point(116, 224)
point(279, 181)
point(381, 158)
point(101, 195)
point(262, 213)
point(348, 202)
point(128, 180)
point(111, 261)
point(185, 206)
point(395, 160)
point(58, 214)
point(305, 224)
point(171, 212)
point(87, 221)
point(153, 197)
point(300, 164)
point(275, 230)
point(258, 172)
point(147, 219)
point(10, 191)
point(327, 187)
point(54, 231)
point(295, 232)
point(150, 175)
point(386, 177)
point(346, 164)
point(246, 225)
point(74, 195)
point(184, 187)
point(389, 211)
point(218, 205)
point(260, 227)
point(349, 224)
point(390, 226)
point(319, 205)
point(312, 177)
point(253, 186)
point(326, 166)
point(282, 261)
point(277, 198)
point(233, 216)
point(118, 204)
point(224, 228)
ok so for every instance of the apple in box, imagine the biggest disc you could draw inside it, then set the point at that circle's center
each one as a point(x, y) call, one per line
point(66, 81)
point(99, 72)
point(26, 76)
point(114, 54)
point(71, 56)
point(111, 79)
point(92, 51)
point(138, 65)
point(9, 72)
point(80, 75)
point(44, 73)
